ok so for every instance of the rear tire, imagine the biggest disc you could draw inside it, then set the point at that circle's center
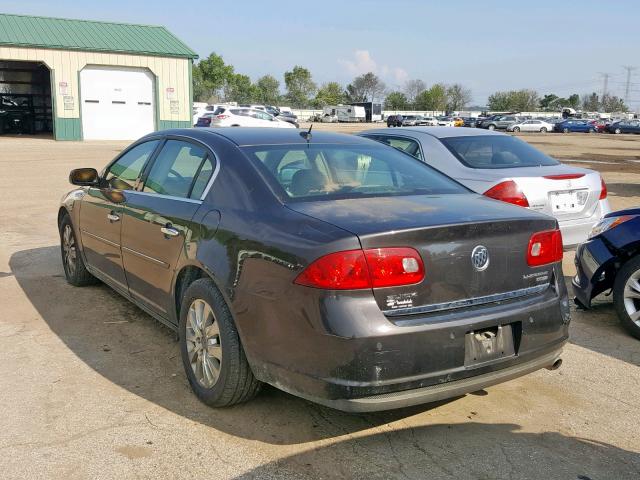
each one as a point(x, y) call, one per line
point(627, 284)
point(543, 130)
point(491, 127)
point(212, 355)
point(565, 130)
point(75, 271)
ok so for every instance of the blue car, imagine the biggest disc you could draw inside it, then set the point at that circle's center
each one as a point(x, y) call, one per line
point(575, 125)
point(610, 259)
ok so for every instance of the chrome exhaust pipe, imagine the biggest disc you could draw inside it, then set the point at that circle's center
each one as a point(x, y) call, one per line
point(555, 365)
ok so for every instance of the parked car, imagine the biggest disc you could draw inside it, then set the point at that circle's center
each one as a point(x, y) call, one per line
point(530, 126)
point(458, 122)
point(499, 122)
point(275, 111)
point(16, 115)
point(506, 168)
point(624, 126)
point(427, 121)
point(470, 122)
point(289, 117)
point(410, 121)
point(574, 125)
point(446, 122)
point(395, 120)
point(236, 236)
point(599, 125)
point(241, 117)
point(610, 260)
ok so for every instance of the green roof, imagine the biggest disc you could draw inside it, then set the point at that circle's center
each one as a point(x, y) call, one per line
point(88, 35)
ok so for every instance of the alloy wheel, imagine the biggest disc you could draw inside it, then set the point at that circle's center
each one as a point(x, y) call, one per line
point(632, 297)
point(204, 347)
point(69, 249)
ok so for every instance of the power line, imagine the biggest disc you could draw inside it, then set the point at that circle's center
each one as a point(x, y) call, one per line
point(605, 78)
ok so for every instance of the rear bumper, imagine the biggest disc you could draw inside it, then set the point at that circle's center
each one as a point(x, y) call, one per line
point(434, 393)
point(577, 231)
point(348, 355)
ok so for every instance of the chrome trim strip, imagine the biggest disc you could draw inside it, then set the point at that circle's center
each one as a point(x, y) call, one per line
point(213, 176)
point(102, 239)
point(160, 195)
point(146, 257)
point(469, 302)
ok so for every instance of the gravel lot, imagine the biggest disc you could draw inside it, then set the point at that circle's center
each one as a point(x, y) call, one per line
point(91, 387)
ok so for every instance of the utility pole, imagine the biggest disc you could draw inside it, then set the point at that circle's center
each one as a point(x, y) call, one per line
point(627, 87)
point(605, 83)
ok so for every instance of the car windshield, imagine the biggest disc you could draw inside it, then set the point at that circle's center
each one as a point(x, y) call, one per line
point(496, 151)
point(327, 171)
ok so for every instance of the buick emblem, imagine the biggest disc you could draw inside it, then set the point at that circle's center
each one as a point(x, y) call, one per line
point(480, 258)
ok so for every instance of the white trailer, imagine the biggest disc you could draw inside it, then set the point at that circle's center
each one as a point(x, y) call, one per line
point(343, 113)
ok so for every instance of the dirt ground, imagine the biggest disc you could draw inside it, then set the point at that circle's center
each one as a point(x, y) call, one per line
point(92, 387)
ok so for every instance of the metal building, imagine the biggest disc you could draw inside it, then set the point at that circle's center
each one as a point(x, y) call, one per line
point(80, 79)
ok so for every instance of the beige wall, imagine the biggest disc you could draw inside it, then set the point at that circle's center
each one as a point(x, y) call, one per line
point(65, 65)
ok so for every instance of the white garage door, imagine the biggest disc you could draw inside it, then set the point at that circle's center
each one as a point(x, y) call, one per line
point(117, 103)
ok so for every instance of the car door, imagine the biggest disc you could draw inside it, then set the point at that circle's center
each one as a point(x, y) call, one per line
point(158, 219)
point(101, 213)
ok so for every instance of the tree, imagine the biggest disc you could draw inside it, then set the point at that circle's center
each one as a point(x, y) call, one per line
point(413, 88)
point(396, 101)
point(210, 76)
point(268, 90)
point(329, 94)
point(574, 101)
point(548, 102)
point(514, 100)
point(458, 97)
point(300, 86)
point(240, 89)
point(591, 102)
point(611, 103)
point(365, 88)
point(434, 98)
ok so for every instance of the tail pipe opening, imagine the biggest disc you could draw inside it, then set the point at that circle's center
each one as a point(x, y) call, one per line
point(555, 365)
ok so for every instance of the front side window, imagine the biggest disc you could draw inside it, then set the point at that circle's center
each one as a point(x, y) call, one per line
point(496, 151)
point(315, 172)
point(175, 169)
point(124, 172)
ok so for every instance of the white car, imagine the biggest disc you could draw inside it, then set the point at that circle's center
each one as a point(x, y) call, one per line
point(531, 126)
point(241, 117)
point(446, 122)
point(506, 168)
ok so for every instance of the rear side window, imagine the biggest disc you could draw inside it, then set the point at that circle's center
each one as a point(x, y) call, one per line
point(406, 145)
point(496, 151)
point(313, 172)
point(124, 172)
point(175, 169)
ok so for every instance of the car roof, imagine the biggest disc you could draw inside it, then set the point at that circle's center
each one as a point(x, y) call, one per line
point(243, 136)
point(438, 132)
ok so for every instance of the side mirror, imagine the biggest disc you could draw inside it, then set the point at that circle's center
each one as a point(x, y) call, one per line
point(84, 177)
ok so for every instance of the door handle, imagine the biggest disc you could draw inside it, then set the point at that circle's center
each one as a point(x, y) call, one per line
point(169, 231)
point(112, 217)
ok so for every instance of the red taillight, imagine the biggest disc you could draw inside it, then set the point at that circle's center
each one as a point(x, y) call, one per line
point(222, 117)
point(392, 267)
point(508, 192)
point(358, 269)
point(544, 248)
point(603, 189)
point(566, 176)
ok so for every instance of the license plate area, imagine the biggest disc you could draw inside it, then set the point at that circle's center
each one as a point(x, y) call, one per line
point(568, 201)
point(490, 344)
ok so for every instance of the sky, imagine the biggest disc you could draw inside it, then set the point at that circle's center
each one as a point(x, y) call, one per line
point(559, 47)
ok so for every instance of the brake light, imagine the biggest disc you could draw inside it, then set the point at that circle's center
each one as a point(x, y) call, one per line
point(222, 117)
point(360, 269)
point(566, 176)
point(603, 189)
point(544, 248)
point(508, 192)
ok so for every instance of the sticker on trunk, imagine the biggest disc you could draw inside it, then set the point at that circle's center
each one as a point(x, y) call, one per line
point(401, 300)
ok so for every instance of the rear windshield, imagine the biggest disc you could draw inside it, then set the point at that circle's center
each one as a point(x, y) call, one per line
point(321, 171)
point(496, 151)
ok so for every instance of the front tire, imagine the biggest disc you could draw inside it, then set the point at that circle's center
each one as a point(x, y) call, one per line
point(617, 131)
point(75, 271)
point(491, 127)
point(626, 296)
point(516, 129)
point(212, 355)
point(565, 130)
